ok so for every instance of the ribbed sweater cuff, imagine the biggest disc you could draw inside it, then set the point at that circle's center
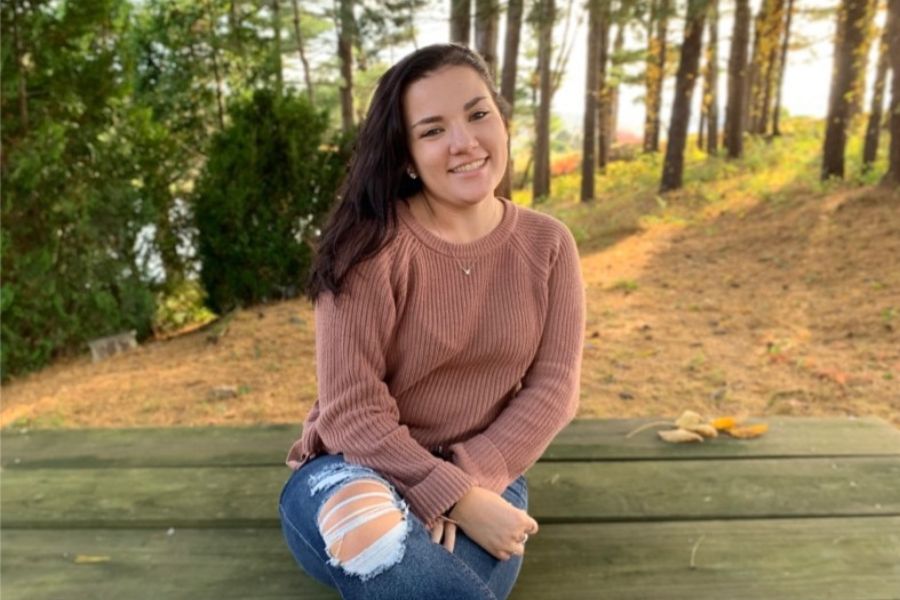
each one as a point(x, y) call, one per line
point(434, 495)
point(480, 458)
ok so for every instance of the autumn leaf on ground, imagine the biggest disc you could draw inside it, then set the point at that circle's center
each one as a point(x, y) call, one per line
point(724, 423)
point(748, 432)
point(677, 436)
point(691, 427)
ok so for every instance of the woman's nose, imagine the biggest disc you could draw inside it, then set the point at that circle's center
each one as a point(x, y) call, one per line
point(461, 139)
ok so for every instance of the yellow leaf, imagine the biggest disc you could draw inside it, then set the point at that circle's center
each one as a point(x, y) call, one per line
point(725, 423)
point(750, 431)
point(88, 559)
point(678, 436)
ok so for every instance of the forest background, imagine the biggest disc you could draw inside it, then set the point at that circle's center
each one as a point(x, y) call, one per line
point(167, 166)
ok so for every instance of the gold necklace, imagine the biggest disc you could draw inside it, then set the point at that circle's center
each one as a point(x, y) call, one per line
point(465, 269)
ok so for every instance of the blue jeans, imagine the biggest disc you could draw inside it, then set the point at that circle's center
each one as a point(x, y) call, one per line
point(425, 571)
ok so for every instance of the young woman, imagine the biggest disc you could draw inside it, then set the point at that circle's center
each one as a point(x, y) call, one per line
point(449, 331)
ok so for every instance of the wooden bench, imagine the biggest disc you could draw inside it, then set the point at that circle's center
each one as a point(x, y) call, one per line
point(810, 510)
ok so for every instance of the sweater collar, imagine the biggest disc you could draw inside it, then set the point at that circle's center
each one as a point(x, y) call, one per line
point(483, 245)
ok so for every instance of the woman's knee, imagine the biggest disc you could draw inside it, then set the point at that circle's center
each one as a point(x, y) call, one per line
point(363, 528)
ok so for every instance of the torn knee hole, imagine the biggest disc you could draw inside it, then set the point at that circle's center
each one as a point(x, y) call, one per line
point(364, 531)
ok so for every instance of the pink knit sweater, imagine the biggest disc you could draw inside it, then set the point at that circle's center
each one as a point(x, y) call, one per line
point(419, 357)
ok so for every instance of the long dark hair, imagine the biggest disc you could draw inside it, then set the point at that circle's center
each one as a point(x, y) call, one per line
point(364, 217)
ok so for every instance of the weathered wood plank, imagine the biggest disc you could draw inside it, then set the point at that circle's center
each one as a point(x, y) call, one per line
point(560, 492)
point(591, 439)
point(808, 559)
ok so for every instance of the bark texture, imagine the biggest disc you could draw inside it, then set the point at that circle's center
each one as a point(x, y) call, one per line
point(873, 127)
point(589, 131)
point(688, 66)
point(892, 178)
point(460, 21)
point(655, 72)
point(737, 81)
point(541, 180)
point(853, 21)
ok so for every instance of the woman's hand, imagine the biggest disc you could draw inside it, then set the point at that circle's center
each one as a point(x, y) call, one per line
point(493, 523)
point(444, 532)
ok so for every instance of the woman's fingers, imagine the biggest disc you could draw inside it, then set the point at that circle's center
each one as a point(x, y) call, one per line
point(449, 536)
point(437, 532)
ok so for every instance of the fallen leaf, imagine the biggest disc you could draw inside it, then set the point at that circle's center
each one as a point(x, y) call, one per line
point(678, 436)
point(724, 423)
point(750, 431)
point(693, 422)
point(88, 559)
point(688, 419)
point(706, 430)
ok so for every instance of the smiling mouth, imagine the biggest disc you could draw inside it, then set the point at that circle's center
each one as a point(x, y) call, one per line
point(470, 166)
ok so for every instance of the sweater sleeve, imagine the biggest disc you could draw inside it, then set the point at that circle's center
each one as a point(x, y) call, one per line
point(549, 396)
point(358, 415)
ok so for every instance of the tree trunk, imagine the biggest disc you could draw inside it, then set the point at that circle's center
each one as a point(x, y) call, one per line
point(615, 61)
point(851, 36)
point(712, 106)
point(750, 107)
point(214, 45)
point(302, 51)
point(460, 21)
point(873, 128)
point(234, 23)
point(487, 13)
point(782, 64)
point(688, 65)
point(701, 127)
point(345, 55)
point(508, 80)
point(892, 177)
point(603, 104)
point(276, 48)
point(655, 74)
point(768, 23)
point(737, 81)
point(20, 65)
point(859, 76)
point(773, 35)
point(589, 130)
point(541, 180)
point(511, 52)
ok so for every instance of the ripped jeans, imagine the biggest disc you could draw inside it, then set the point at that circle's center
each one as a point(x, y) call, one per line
point(404, 562)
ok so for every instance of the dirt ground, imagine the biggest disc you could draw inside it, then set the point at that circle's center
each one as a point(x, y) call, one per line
point(757, 308)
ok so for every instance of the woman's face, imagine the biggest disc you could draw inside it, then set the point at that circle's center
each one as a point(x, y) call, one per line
point(456, 135)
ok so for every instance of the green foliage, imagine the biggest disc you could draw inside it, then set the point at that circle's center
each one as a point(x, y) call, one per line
point(71, 213)
point(266, 184)
point(182, 306)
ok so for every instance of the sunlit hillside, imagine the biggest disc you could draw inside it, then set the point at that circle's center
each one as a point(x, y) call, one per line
point(754, 290)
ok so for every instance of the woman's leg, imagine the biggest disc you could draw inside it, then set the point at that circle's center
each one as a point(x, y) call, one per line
point(348, 528)
point(500, 575)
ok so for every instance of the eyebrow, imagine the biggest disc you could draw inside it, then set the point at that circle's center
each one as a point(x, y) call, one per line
point(436, 118)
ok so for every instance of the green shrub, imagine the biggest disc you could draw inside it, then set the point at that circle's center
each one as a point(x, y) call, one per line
point(71, 220)
point(267, 184)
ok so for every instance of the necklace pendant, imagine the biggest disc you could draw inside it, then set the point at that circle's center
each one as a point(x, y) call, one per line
point(467, 270)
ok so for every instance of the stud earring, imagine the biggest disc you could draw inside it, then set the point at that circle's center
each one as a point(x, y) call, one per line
point(411, 173)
